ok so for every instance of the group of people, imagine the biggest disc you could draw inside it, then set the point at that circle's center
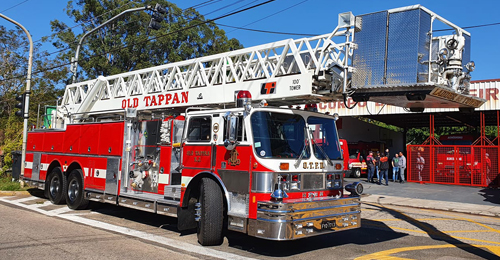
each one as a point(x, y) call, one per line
point(381, 164)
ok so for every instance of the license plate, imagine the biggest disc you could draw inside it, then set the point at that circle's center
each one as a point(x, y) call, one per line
point(328, 224)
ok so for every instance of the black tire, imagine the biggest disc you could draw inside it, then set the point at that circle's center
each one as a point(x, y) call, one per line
point(356, 173)
point(75, 195)
point(211, 222)
point(56, 188)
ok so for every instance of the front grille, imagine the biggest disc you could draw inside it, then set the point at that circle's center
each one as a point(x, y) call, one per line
point(313, 181)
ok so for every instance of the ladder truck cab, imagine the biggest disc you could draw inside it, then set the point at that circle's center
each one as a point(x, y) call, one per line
point(219, 140)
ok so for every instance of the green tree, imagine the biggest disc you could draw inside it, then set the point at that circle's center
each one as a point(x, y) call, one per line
point(127, 44)
point(14, 54)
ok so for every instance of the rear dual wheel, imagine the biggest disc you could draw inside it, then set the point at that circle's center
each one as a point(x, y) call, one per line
point(57, 185)
point(75, 195)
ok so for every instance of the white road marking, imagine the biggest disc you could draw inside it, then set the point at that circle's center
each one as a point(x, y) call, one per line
point(123, 230)
point(24, 199)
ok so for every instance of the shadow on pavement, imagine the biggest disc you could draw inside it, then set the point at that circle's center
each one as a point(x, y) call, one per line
point(360, 236)
point(36, 193)
point(491, 195)
point(436, 234)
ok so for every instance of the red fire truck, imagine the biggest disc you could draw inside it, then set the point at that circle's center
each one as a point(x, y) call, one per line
point(213, 142)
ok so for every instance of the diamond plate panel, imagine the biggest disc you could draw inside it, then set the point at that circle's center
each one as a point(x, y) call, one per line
point(466, 52)
point(369, 58)
point(424, 42)
point(407, 47)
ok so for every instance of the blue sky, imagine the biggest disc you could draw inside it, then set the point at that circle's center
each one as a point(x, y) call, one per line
point(307, 16)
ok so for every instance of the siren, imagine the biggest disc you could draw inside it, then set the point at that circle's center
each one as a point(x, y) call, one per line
point(243, 99)
point(311, 107)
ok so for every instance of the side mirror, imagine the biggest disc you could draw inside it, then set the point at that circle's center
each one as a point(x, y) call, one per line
point(231, 131)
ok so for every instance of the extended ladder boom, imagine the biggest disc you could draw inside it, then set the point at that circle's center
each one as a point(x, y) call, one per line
point(279, 71)
point(306, 70)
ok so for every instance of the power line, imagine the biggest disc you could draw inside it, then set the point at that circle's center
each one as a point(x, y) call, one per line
point(275, 13)
point(265, 31)
point(15, 6)
point(154, 38)
point(206, 3)
point(469, 27)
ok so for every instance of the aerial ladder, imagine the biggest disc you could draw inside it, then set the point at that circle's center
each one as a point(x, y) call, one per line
point(392, 57)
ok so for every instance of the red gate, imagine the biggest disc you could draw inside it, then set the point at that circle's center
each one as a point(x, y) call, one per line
point(473, 165)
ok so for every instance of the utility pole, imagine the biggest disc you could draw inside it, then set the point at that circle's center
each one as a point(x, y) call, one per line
point(27, 93)
point(74, 61)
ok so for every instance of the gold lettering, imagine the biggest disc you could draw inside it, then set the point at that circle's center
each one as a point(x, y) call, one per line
point(316, 165)
point(304, 165)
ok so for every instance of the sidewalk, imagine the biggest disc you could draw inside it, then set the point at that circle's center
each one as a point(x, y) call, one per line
point(464, 199)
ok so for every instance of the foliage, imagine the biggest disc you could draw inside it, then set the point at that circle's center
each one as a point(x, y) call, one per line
point(380, 124)
point(14, 54)
point(127, 44)
point(6, 184)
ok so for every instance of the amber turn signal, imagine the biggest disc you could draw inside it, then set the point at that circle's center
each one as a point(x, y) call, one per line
point(284, 166)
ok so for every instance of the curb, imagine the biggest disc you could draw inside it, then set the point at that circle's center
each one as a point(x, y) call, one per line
point(13, 193)
point(433, 204)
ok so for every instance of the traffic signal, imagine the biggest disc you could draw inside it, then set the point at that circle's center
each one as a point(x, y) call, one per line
point(157, 17)
point(22, 100)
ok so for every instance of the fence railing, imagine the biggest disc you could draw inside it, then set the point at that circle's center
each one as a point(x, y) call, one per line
point(472, 165)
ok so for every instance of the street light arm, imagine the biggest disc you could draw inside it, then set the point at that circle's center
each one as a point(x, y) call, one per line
point(75, 59)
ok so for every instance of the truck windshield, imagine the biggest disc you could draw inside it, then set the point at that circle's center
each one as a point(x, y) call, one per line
point(279, 135)
point(324, 133)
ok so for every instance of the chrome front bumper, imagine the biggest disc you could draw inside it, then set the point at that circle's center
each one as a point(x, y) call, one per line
point(304, 217)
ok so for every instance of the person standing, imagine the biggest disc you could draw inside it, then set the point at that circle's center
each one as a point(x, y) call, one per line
point(370, 164)
point(377, 166)
point(395, 167)
point(384, 168)
point(487, 162)
point(388, 158)
point(420, 166)
point(402, 167)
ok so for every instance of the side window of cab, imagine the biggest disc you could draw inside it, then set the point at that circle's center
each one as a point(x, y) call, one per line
point(199, 129)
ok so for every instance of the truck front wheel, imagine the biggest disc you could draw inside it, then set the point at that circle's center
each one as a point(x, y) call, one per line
point(210, 213)
point(75, 195)
point(56, 186)
point(356, 172)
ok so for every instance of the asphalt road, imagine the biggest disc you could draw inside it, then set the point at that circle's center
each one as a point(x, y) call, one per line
point(32, 227)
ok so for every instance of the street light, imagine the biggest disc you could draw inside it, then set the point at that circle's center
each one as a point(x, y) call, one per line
point(158, 9)
point(26, 93)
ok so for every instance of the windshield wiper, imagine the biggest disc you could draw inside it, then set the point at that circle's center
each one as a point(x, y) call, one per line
point(319, 148)
point(297, 162)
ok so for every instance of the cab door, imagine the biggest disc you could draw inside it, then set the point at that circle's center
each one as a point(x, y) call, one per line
point(197, 151)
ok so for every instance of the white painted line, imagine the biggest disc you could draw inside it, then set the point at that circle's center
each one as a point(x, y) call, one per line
point(39, 205)
point(56, 212)
point(153, 238)
point(24, 199)
point(197, 249)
